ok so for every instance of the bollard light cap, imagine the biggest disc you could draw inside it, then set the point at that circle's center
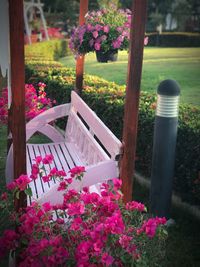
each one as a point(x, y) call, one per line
point(169, 88)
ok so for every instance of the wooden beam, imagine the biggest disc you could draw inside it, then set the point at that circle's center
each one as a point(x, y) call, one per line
point(127, 164)
point(80, 60)
point(17, 111)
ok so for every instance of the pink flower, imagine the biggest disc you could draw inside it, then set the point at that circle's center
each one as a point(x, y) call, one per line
point(133, 205)
point(53, 171)
point(98, 245)
point(78, 170)
point(117, 183)
point(98, 27)
point(106, 28)
point(61, 173)
point(62, 186)
point(69, 180)
point(89, 27)
point(116, 44)
point(150, 226)
point(11, 186)
point(60, 221)
point(22, 182)
point(9, 239)
point(47, 206)
point(38, 159)
point(124, 241)
point(45, 179)
point(83, 247)
point(95, 34)
point(75, 209)
point(107, 259)
point(103, 38)
point(97, 46)
point(41, 84)
point(70, 195)
point(76, 224)
point(90, 198)
point(34, 171)
point(48, 159)
point(119, 29)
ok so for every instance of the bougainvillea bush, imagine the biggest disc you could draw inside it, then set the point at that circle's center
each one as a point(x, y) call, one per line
point(86, 229)
point(35, 102)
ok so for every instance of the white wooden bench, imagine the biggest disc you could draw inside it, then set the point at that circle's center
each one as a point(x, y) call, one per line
point(86, 142)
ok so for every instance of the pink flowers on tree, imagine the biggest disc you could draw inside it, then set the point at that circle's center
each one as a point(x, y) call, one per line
point(87, 229)
point(104, 30)
point(35, 101)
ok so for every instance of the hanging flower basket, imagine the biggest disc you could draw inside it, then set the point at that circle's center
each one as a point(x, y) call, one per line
point(104, 32)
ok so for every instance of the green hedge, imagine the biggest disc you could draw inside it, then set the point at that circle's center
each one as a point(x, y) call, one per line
point(48, 50)
point(107, 100)
point(174, 39)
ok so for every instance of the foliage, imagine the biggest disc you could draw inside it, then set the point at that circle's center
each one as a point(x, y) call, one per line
point(35, 102)
point(107, 3)
point(90, 229)
point(107, 100)
point(104, 30)
point(175, 39)
point(181, 10)
point(48, 50)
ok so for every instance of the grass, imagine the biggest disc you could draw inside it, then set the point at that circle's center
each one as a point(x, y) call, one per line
point(180, 64)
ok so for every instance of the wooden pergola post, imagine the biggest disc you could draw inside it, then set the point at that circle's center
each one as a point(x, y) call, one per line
point(17, 110)
point(127, 164)
point(80, 60)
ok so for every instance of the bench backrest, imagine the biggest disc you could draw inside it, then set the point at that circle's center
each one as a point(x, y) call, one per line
point(94, 141)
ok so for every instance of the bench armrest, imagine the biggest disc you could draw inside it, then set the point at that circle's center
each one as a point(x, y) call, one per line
point(38, 123)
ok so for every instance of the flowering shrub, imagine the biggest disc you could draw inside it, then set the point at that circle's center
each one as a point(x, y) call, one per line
point(87, 229)
point(35, 102)
point(53, 33)
point(104, 30)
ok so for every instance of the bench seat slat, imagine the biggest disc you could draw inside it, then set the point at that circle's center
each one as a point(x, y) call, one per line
point(47, 167)
point(67, 155)
point(29, 164)
point(37, 183)
point(63, 156)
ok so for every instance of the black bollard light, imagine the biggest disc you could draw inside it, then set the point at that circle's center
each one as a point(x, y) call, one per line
point(164, 146)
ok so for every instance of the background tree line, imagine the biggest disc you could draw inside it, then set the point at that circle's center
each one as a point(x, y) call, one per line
point(186, 13)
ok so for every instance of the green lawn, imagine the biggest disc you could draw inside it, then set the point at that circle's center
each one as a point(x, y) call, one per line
point(181, 64)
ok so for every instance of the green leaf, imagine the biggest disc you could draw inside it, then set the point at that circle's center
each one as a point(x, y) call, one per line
point(28, 192)
point(17, 194)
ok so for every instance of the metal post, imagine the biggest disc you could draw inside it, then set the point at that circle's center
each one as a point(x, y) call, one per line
point(165, 133)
